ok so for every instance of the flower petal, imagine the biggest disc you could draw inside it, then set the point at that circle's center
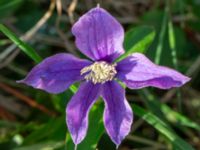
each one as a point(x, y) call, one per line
point(56, 73)
point(118, 115)
point(137, 71)
point(78, 109)
point(99, 35)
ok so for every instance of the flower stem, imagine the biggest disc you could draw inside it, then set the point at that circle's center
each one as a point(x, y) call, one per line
point(75, 147)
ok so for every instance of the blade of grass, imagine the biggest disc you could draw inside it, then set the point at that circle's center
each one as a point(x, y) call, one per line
point(150, 103)
point(23, 46)
point(162, 127)
point(26, 48)
point(4, 42)
point(137, 40)
point(50, 145)
point(88, 142)
point(161, 36)
point(166, 113)
point(9, 4)
point(172, 45)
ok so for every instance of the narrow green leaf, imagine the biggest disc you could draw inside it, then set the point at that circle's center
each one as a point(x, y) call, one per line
point(165, 112)
point(172, 44)
point(51, 145)
point(8, 124)
point(95, 131)
point(151, 104)
point(48, 131)
point(5, 5)
point(73, 88)
point(4, 42)
point(161, 36)
point(8, 7)
point(137, 40)
point(23, 46)
point(162, 127)
point(178, 119)
point(26, 49)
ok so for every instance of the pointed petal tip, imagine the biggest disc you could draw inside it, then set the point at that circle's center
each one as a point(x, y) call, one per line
point(76, 137)
point(137, 71)
point(78, 108)
point(76, 140)
point(187, 79)
point(118, 140)
point(55, 73)
point(182, 80)
point(37, 86)
point(118, 115)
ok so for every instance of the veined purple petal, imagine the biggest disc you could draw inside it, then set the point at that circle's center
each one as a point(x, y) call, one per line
point(56, 73)
point(99, 35)
point(137, 71)
point(118, 115)
point(78, 109)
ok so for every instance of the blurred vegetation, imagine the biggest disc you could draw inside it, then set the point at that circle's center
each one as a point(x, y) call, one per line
point(168, 32)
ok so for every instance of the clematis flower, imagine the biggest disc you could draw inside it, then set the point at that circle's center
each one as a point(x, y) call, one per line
point(100, 37)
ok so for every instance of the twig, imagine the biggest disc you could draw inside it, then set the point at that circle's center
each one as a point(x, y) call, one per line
point(41, 22)
point(5, 115)
point(29, 101)
point(194, 68)
point(10, 58)
point(17, 69)
point(6, 52)
point(71, 9)
point(136, 125)
point(29, 34)
point(59, 7)
point(12, 105)
point(66, 42)
point(53, 41)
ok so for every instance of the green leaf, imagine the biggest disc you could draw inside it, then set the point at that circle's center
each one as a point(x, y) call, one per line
point(26, 49)
point(50, 145)
point(4, 42)
point(162, 127)
point(8, 7)
point(95, 131)
point(137, 40)
point(165, 112)
point(53, 130)
point(162, 33)
point(73, 88)
point(23, 46)
point(178, 119)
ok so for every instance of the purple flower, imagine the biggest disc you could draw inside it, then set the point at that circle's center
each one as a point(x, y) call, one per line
point(100, 37)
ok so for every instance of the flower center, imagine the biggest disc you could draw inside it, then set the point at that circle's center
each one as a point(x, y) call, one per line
point(99, 72)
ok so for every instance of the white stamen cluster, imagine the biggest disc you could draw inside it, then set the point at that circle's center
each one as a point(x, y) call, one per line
point(99, 72)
